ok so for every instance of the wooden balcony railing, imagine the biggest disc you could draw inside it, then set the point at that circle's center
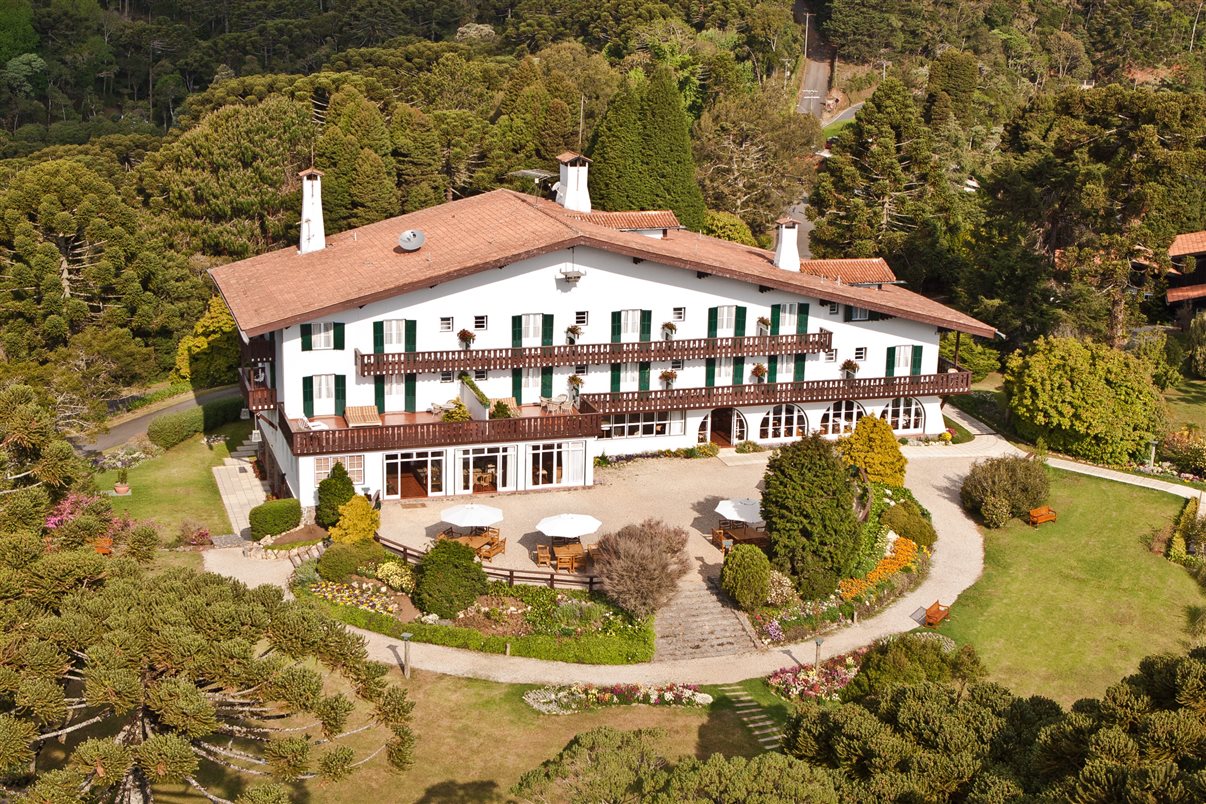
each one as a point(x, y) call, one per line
point(257, 393)
point(590, 353)
point(438, 434)
point(778, 393)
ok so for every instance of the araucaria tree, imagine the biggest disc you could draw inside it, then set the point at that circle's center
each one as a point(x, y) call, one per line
point(37, 464)
point(148, 678)
point(808, 505)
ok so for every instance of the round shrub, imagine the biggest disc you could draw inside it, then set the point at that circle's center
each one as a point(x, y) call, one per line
point(745, 576)
point(913, 659)
point(905, 519)
point(343, 560)
point(997, 489)
point(449, 580)
point(335, 490)
point(358, 521)
point(274, 517)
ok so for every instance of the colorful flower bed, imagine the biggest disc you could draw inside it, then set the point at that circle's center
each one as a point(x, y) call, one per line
point(581, 697)
point(803, 682)
point(903, 556)
point(367, 596)
point(799, 619)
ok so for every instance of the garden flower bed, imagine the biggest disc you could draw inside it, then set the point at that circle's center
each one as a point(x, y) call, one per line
point(582, 697)
point(803, 682)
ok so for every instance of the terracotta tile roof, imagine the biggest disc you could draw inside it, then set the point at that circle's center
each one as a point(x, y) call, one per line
point(1188, 243)
point(1185, 294)
point(651, 219)
point(850, 271)
point(498, 228)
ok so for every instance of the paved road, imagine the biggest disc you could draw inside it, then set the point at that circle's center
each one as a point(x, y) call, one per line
point(121, 433)
point(847, 114)
point(818, 57)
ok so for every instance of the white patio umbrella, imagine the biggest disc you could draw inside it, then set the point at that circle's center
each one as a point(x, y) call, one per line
point(744, 510)
point(568, 526)
point(472, 515)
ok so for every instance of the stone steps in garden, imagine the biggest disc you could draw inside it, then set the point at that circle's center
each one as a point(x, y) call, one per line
point(753, 717)
point(700, 622)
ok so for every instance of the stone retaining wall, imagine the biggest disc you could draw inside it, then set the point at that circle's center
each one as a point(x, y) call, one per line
point(296, 556)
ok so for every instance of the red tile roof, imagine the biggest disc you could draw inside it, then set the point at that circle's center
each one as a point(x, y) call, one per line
point(850, 271)
point(627, 221)
point(1188, 243)
point(465, 237)
point(1185, 294)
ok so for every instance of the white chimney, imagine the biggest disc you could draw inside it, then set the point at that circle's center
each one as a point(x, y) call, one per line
point(313, 234)
point(572, 190)
point(787, 249)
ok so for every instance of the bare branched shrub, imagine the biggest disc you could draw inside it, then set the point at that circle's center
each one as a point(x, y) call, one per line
point(641, 565)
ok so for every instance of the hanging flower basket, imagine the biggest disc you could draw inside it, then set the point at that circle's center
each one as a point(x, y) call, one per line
point(572, 333)
point(849, 369)
point(668, 377)
point(466, 337)
point(759, 372)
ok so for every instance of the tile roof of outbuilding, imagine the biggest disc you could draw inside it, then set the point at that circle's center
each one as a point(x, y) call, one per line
point(474, 234)
point(1188, 243)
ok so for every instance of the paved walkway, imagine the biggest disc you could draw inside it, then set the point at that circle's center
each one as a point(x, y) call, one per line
point(240, 489)
point(934, 476)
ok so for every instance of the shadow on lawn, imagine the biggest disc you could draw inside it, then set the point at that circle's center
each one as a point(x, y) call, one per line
point(451, 792)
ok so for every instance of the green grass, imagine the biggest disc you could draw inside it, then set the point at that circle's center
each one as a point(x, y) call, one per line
point(1187, 403)
point(1068, 608)
point(179, 484)
point(833, 129)
point(962, 434)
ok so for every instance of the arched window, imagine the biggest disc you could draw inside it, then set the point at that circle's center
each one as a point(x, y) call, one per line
point(904, 414)
point(840, 417)
point(783, 421)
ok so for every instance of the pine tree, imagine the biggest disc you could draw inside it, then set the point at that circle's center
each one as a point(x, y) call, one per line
point(617, 180)
point(374, 195)
point(416, 152)
point(668, 166)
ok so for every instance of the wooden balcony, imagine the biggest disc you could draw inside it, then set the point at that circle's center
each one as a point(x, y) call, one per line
point(778, 393)
point(259, 349)
point(423, 431)
point(590, 353)
point(255, 390)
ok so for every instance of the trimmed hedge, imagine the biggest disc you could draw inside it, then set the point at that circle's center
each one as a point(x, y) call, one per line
point(342, 560)
point(170, 429)
point(906, 519)
point(274, 517)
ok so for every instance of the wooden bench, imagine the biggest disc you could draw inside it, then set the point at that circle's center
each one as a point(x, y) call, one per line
point(936, 613)
point(1040, 515)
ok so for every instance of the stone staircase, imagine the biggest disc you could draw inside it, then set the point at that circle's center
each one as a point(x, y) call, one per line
point(762, 727)
point(240, 489)
point(700, 622)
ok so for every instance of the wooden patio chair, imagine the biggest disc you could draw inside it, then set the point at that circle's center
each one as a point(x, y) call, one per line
point(494, 548)
point(543, 557)
point(566, 564)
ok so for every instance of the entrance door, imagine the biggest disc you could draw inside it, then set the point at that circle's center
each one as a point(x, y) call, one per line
point(414, 474)
point(486, 470)
point(724, 427)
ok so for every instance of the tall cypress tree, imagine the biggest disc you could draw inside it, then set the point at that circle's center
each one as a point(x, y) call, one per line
point(617, 179)
point(667, 164)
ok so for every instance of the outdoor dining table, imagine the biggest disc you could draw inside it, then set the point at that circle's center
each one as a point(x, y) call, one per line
point(572, 550)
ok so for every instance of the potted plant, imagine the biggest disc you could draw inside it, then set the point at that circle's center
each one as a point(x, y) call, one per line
point(122, 486)
point(575, 381)
point(668, 377)
point(764, 325)
point(668, 330)
point(572, 333)
point(849, 369)
point(759, 372)
point(466, 337)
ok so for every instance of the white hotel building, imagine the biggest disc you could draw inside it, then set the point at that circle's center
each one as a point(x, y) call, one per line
point(657, 338)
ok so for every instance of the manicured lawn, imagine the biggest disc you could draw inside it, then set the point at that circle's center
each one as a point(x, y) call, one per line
point(1187, 403)
point(178, 485)
point(962, 434)
point(473, 740)
point(1069, 608)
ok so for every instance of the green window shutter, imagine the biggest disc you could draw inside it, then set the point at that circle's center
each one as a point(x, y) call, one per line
point(739, 322)
point(615, 377)
point(517, 385)
point(890, 369)
point(337, 336)
point(378, 337)
point(915, 366)
point(379, 392)
point(517, 331)
point(341, 394)
point(615, 327)
point(546, 330)
point(797, 374)
point(408, 391)
point(847, 312)
point(738, 371)
point(307, 333)
point(644, 376)
point(646, 326)
point(801, 318)
point(711, 322)
point(546, 382)
point(410, 334)
point(308, 396)
point(772, 367)
point(776, 311)
point(710, 372)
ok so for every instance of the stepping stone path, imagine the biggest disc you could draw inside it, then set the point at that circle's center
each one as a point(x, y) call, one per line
point(700, 622)
point(765, 731)
point(240, 489)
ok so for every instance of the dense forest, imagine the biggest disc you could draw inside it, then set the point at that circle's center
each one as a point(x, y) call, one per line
point(144, 142)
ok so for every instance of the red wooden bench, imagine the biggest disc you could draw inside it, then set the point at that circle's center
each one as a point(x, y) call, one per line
point(936, 613)
point(1040, 515)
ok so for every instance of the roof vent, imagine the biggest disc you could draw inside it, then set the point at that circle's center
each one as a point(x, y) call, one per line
point(411, 240)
